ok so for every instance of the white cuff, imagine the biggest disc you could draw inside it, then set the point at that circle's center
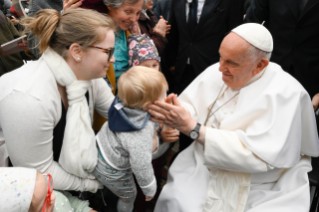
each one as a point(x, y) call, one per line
point(224, 150)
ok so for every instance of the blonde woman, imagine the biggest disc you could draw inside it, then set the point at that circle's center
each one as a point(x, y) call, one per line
point(46, 107)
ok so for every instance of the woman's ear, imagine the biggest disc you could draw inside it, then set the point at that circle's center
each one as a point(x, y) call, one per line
point(109, 7)
point(76, 52)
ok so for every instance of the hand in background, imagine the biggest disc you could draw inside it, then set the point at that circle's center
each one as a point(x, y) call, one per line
point(23, 45)
point(168, 28)
point(14, 20)
point(161, 27)
point(71, 4)
point(148, 198)
point(315, 101)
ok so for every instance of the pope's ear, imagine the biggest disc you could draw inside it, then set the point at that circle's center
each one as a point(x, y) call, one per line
point(263, 62)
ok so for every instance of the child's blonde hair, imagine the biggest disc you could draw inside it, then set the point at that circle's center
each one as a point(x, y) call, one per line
point(141, 86)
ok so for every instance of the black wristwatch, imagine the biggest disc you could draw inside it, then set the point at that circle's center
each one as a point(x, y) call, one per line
point(193, 134)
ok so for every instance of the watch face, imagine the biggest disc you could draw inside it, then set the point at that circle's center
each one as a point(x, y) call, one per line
point(193, 135)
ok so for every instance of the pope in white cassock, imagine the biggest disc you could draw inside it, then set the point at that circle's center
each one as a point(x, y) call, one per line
point(254, 130)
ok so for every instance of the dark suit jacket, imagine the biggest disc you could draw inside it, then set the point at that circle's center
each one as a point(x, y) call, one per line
point(296, 37)
point(217, 19)
point(246, 5)
point(162, 8)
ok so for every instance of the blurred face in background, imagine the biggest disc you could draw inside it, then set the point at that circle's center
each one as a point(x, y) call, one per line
point(149, 5)
point(127, 14)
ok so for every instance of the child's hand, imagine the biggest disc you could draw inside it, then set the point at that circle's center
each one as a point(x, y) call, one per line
point(148, 198)
point(169, 135)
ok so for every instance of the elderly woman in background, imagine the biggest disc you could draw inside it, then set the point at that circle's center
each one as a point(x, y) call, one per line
point(155, 29)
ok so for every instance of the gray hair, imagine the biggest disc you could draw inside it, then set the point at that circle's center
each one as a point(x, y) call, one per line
point(256, 54)
point(118, 3)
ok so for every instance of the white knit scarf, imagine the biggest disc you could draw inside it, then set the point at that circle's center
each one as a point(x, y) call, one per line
point(79, 153)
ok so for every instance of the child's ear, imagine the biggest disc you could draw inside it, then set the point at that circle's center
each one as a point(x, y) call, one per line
point(146, 105)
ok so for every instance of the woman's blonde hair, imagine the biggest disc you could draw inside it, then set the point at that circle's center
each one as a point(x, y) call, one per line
point(82, 26)
point(141, 86)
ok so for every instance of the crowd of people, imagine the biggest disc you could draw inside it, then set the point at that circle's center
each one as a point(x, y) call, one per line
point(98, 92)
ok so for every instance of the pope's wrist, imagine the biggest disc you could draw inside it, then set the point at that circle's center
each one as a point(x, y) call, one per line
point(191, 124)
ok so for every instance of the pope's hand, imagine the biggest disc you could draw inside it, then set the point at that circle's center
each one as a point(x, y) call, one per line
point(315, 101)
point(174, 116)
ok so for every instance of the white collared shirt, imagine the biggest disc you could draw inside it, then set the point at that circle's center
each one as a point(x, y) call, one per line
point(199, 8)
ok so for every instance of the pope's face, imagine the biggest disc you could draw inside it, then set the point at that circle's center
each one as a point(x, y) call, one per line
point(236, 67)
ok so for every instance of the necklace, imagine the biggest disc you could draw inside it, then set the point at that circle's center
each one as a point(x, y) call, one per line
point(210, 113)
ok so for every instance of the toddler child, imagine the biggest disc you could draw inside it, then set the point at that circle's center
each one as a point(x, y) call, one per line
point(143, 52)
point(26, 189)
point(126, 140)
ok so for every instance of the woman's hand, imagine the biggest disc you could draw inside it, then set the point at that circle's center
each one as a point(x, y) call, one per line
point(168, 28)
point(71, 4)
point(161, 27)
point(14, 20)
point(23, 45)
point(175, 116)
point(169, 135)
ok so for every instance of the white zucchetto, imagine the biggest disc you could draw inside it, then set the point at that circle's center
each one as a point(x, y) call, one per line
point(257, 35)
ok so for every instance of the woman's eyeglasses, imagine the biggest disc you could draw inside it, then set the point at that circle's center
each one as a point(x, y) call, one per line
point(47, 202)
point(107, 51)
point(110, 52)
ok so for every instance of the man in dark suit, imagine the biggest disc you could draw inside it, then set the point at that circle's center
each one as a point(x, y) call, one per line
point(197, 30)
point(294, 25)
point(194, 39)
point(162, 8)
